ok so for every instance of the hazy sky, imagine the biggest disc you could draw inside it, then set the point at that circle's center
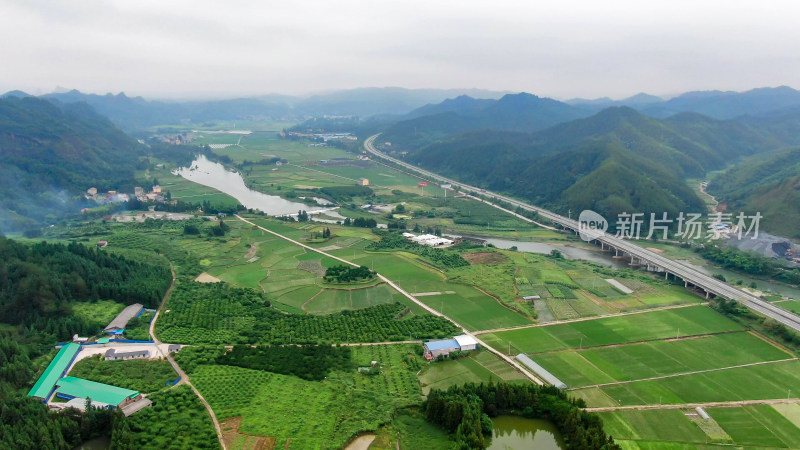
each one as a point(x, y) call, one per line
point(563, 49)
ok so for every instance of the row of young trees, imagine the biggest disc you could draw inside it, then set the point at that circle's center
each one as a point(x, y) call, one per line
point(466, 410)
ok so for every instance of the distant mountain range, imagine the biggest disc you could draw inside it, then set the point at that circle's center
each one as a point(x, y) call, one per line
point(133, 113)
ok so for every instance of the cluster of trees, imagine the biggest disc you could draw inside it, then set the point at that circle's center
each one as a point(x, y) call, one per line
point(195, 228)
point(749, 262)
point(181, 206)
point(39, 282)
point(732, 258)
point(362, 222)
point(391, 240)
point(309, 362)
point(466, 410)
point(346, 274)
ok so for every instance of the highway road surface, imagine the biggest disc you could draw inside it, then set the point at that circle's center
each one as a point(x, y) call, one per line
point(663, 264)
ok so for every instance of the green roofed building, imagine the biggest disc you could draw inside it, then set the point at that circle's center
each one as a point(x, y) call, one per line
point(71, 387)
point(57, 368)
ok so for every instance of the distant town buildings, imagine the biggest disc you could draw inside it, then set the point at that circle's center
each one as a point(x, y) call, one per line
point(363, 181)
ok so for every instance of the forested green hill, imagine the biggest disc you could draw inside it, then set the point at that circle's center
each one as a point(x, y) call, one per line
point(50, 154)
point(514, 112)
point(615, 161)
point(40, 283)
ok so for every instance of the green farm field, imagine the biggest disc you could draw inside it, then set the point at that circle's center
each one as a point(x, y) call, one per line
point(793, 306)
point(767, 381)
point(760, 425)
point(480, 366)
point(658, 358)
point(652, 425)
point(663, 324)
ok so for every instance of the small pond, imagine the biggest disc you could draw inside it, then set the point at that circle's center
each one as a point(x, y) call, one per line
point(513, 432)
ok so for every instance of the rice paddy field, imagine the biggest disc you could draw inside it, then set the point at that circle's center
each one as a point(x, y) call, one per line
point(638, 361)
point(760, 426)
point(661, 324)
point(763, 382)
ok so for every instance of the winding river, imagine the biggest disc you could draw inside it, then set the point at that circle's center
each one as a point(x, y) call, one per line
point(215, 175)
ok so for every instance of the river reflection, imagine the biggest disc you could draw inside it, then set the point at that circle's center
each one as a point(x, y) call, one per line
point(215, 175)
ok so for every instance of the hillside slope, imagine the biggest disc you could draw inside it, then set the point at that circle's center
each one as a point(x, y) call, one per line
point(50, 154)
point(769, 184)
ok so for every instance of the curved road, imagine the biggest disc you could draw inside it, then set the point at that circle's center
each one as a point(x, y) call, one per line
point(687, 273)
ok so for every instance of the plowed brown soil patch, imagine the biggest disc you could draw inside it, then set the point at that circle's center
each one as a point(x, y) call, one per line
point(231, 436)
point(484, 258)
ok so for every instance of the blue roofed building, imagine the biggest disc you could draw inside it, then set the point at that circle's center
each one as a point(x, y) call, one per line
point(444, 347)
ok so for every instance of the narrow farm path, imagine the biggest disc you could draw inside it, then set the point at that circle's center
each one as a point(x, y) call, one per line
point(405, 293)
point(181, 373)
point(733, 404)
point(683, 374)
point(584, 319)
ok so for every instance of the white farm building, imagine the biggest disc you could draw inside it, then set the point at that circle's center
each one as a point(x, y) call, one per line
point(466, 342)
point(429, 240)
